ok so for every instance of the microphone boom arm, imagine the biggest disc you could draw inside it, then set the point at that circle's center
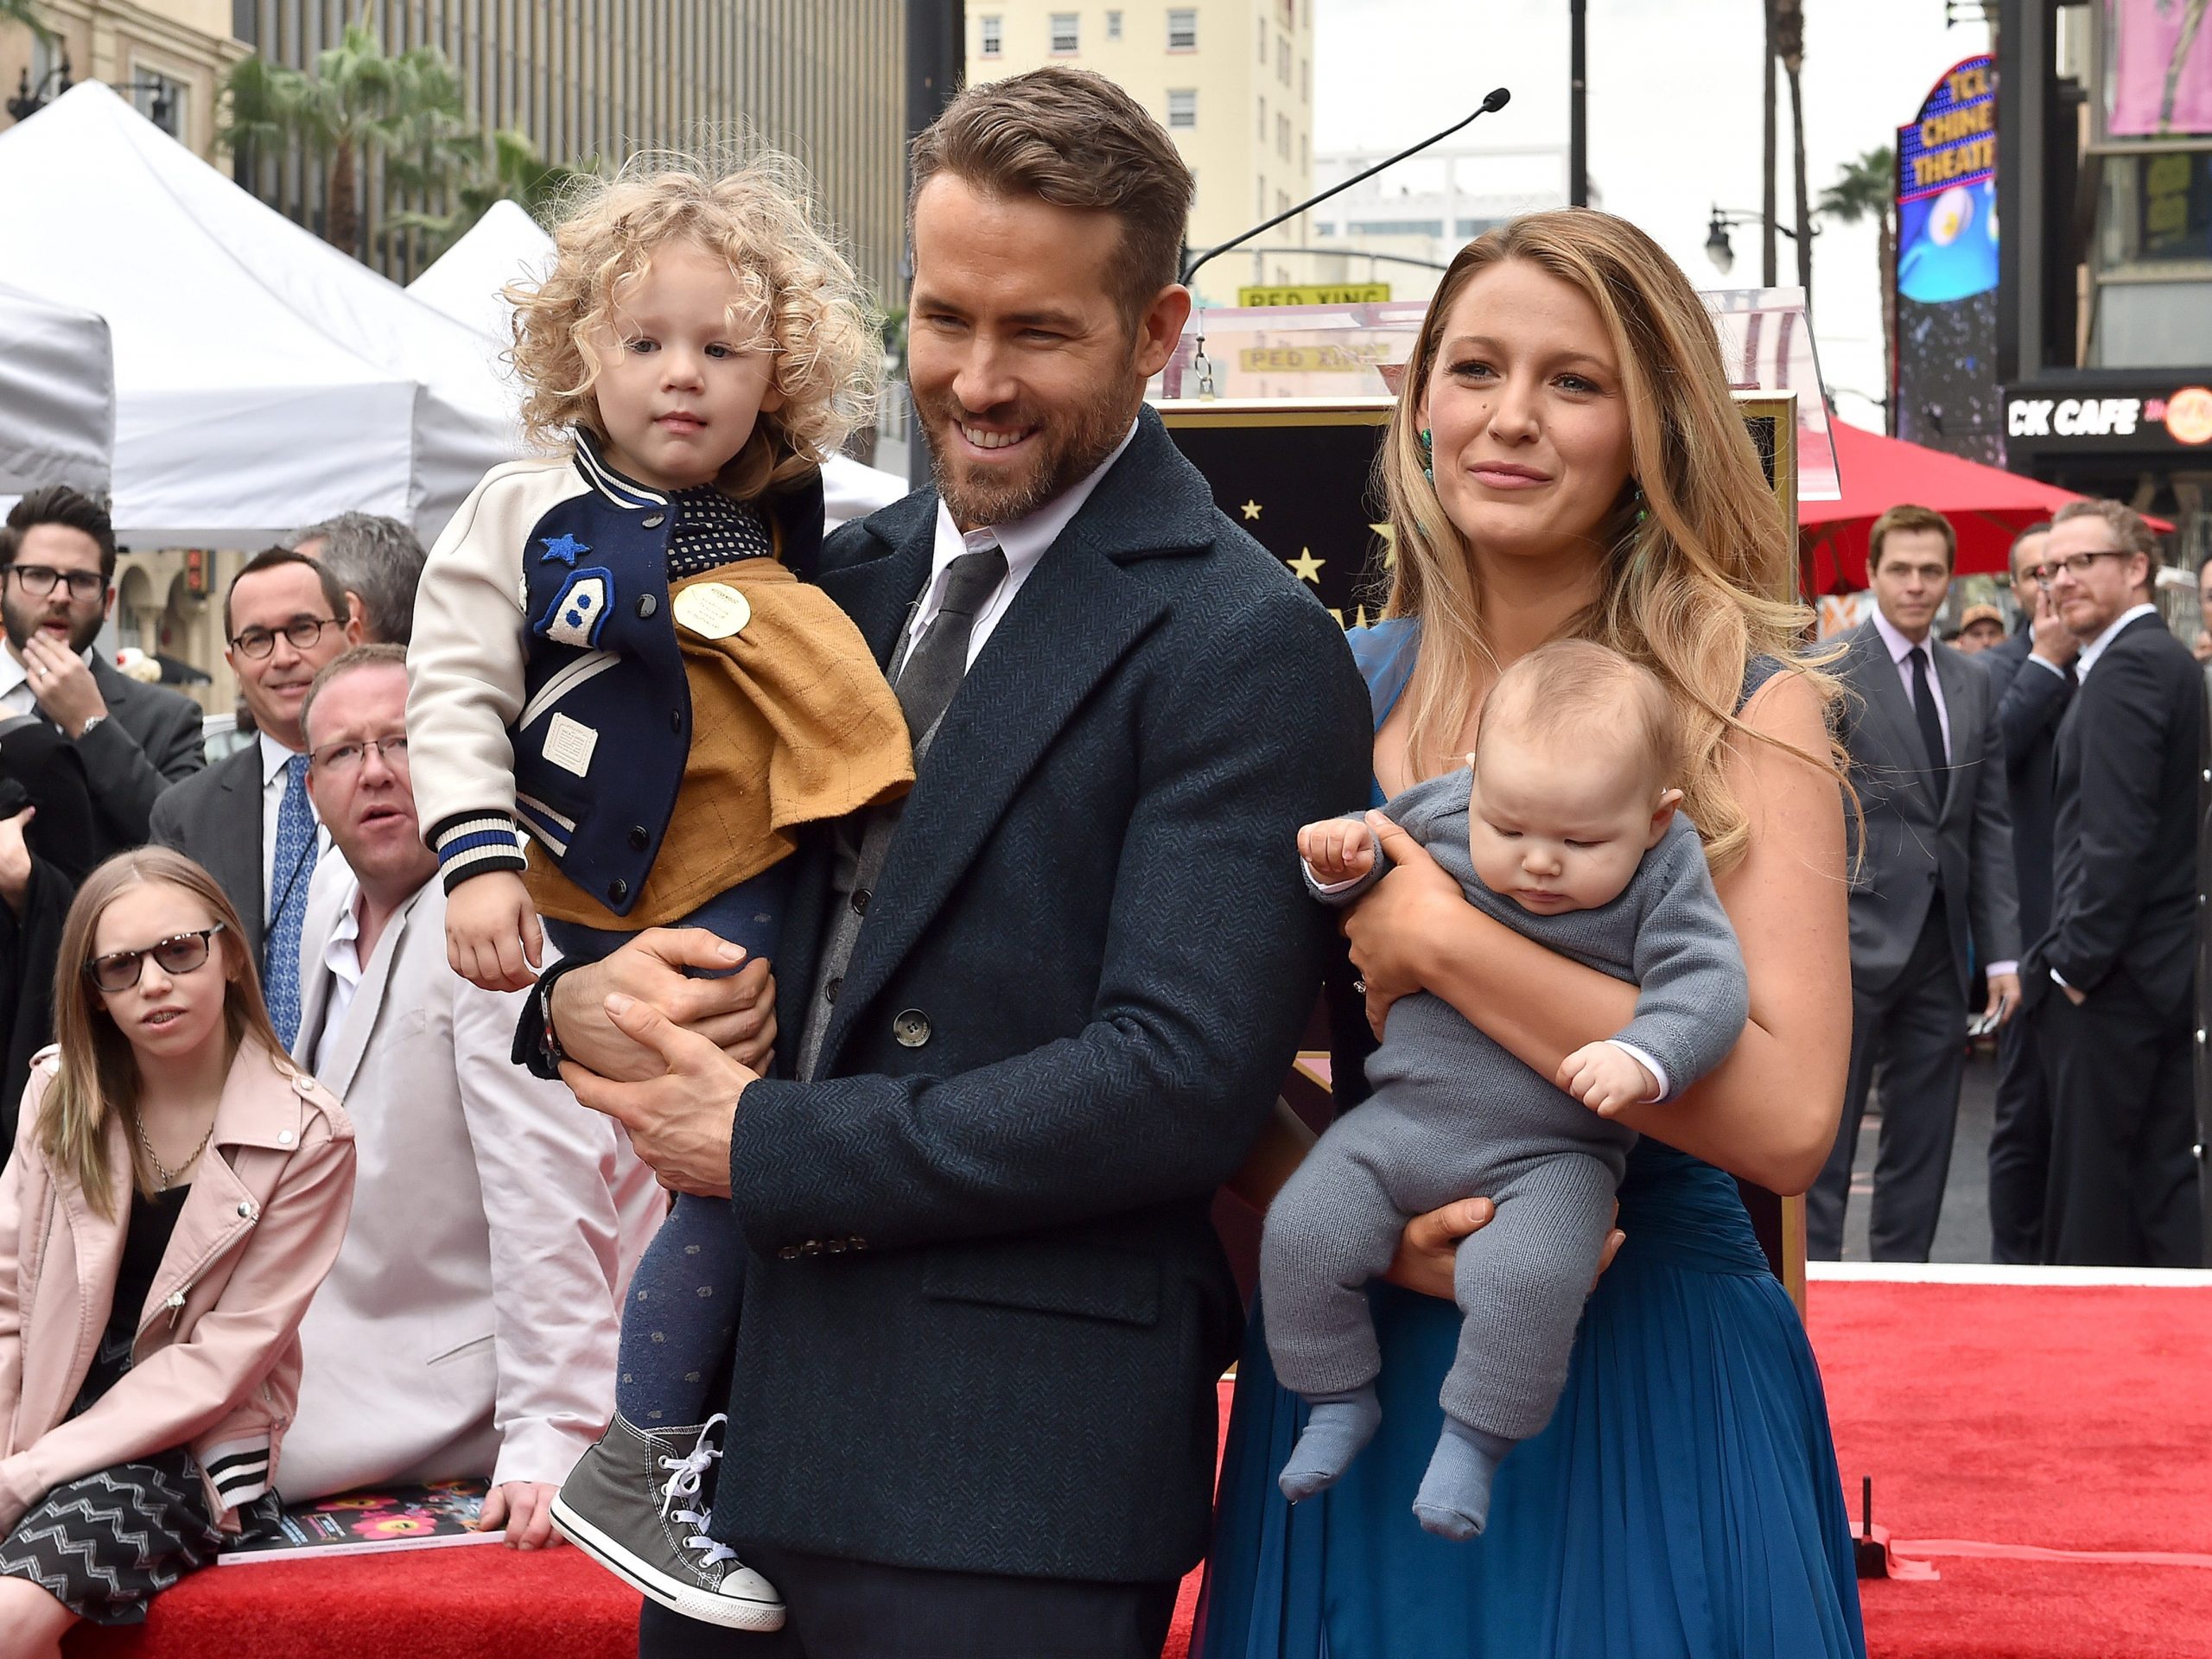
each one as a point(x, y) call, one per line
point(1495, 100)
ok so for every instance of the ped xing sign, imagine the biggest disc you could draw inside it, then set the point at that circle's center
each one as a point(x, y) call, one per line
point(1316, 294)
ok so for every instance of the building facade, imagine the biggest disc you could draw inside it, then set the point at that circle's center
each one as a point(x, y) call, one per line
point(1403, 225)
point(1231, 80)
point(823, 79)
point(168, 57)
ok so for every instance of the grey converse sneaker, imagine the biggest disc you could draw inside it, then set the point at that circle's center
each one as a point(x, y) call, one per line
point(634, 1508)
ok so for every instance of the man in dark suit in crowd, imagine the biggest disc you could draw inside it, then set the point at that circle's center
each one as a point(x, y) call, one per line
point(248, 819)
point(378, 562)
point(1032, 1019)
point(57, 560)
point(1934, 872)
point(2112, 978)
point(2031, 676)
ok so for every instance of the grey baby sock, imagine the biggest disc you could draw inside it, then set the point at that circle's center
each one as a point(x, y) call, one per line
point(1454, 1497)
point(1338, 1425)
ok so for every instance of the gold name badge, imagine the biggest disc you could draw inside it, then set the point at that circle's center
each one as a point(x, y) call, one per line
point(713, 610)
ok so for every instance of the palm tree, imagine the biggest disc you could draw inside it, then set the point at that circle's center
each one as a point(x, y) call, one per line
point(1789, 46)
point(508, 169)
point(363, 113)
point(1864, 187)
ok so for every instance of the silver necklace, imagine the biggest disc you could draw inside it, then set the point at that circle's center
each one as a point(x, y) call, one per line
point(164, 1176)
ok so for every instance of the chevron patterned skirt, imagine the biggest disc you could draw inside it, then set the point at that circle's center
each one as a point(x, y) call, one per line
point(105, 1545)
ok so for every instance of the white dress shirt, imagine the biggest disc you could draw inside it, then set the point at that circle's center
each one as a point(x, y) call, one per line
point(274, 882)
point(1024, 541)
point(1901, 650)
point(15, 692)
point(341, 957)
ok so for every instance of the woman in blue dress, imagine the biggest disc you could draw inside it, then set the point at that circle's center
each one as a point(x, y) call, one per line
point(1566, 460)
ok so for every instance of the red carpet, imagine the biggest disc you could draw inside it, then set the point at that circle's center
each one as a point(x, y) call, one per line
point(2025, 1418)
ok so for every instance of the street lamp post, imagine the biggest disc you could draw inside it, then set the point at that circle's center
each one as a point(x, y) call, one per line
point(1722, 251)
point(1578, 118)
point(937, 57)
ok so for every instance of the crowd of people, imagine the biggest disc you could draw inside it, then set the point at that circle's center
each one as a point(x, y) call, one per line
point(2029, 817)
point(924, 908)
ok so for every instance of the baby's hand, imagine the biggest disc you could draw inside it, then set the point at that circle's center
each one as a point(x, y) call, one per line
point(1606, 1077)
point(1337, 850)
point(493, 938)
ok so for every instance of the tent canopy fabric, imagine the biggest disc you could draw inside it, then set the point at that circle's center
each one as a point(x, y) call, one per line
point(263, 379)
point(1987, 506)
point(508, 245)
point(57, 395)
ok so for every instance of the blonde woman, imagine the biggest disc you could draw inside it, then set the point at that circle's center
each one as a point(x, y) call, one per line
point(1565, 461)
point(177, 1192)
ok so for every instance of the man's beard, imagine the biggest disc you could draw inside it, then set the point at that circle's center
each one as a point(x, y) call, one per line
point(1065, 455)
point(22, 623)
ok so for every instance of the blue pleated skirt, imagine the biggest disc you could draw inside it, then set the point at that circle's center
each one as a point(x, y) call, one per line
point(1684, 1502)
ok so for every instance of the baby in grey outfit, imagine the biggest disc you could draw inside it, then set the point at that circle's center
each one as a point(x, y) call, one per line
point(1565, 829)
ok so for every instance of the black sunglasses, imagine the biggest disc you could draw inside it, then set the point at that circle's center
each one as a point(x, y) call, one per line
point(179, 954)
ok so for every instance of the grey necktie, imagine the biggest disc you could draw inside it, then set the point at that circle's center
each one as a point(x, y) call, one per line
point(934, 669)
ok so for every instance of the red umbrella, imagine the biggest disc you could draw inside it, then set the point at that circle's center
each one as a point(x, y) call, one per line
point(1987, 506)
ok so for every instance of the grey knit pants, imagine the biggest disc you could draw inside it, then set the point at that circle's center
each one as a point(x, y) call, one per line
point(1520, 1281)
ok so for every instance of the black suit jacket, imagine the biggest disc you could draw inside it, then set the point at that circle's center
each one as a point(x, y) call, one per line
point(2030, 701)
point(213, 818)
point(1085, 970)
point(150, 739)
point(2124, 895)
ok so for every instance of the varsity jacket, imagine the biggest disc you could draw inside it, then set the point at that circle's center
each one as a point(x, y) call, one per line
point(547, 688)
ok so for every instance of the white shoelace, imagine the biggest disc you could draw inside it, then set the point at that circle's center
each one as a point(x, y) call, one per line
point(683, 1482)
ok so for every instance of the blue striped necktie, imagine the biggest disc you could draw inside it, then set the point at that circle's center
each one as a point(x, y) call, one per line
point(281, 945)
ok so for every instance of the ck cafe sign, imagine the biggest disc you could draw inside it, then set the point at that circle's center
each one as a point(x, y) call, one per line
point(2182, 416)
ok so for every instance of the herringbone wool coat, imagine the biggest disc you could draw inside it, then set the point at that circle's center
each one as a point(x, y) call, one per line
point(1083, 971)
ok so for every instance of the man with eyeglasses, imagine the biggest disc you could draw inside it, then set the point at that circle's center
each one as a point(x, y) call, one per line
point(57, 587)
point(2112, 981)
point(248, 819)
point(468, 1327)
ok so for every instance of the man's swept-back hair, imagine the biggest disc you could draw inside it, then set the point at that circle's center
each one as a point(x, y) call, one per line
point(2131, 533)
point(1580, 692)
point(1907, 517)
point(377, 557)
point(1074, 139)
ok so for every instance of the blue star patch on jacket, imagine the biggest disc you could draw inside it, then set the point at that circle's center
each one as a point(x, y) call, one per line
point(563, 547)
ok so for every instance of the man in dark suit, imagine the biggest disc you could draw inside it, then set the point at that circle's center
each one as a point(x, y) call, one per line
point(248, 819)
point(1933, 873)
point(1033, 1018)
point(57, 560)
point(2112, 978)
point(2032, 676)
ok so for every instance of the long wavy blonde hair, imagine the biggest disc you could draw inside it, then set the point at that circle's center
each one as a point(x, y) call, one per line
point(756, 212)
point(1695, 591)
point(99, 1070)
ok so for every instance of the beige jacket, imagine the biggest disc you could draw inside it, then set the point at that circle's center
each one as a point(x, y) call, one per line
point(217, 1364)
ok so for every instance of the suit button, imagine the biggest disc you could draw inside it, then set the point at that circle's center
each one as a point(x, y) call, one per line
point(647, 604)
point(837, 1246)
point(812, 1247)
point(676, 722)
point(860, 902)
point(638, 839)
point(911, 1029)
point(654, 521)
point(617, 890)
point(789, 1253)
point(858, 1244)
point(830, 987)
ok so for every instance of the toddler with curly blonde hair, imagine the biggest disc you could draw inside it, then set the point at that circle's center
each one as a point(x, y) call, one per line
point(615, 657)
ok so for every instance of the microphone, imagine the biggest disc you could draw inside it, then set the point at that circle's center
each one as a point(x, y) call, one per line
point(1498, 99)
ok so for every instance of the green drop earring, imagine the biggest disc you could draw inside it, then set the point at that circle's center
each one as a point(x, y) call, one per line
point(1428, 456)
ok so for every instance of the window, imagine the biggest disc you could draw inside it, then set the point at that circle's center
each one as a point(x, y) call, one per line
point(1260, 197)
point(1113, 25)
point(1183, 108)
point(1182, 29)
point(994, 34)
point(1263, 120)
point(1282, 201)
point(1469, 229)
point(1398, 227)
point(1305, 79)
point(1283, 61)
point(1066, 38)
point(1263, 42)
point(159, 97)
point(1282, 137)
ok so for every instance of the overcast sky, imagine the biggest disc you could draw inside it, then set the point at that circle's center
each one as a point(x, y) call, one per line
point(1675, 98)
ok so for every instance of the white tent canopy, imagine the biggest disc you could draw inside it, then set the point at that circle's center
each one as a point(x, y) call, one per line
point(507, 245)
point(57, 395)
point(263, 379)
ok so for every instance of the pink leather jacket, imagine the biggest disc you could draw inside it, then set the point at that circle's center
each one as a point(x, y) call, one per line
point(217, 1364)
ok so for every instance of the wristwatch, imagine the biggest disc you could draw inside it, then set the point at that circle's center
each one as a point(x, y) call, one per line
point(85, 730)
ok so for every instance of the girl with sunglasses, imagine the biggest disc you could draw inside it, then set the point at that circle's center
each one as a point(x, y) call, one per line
point(177, 1192)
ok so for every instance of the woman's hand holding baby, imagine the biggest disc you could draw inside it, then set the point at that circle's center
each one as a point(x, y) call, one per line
point(1605, 1078)
point(1392, 926)
point(1337, 850)
point(492, 936)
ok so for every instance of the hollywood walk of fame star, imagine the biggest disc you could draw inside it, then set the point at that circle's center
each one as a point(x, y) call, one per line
point(1251, 510)
point(1305, 567)
point(563, 547)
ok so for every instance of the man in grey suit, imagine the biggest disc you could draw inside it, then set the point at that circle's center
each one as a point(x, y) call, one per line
point(57, 555)
point(248, 819)
point(1932, 885)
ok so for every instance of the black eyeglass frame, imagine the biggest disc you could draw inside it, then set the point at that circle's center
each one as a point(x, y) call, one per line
point(258, 643)
point(46, 577)
point(204, 938)
point(2042, 574)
